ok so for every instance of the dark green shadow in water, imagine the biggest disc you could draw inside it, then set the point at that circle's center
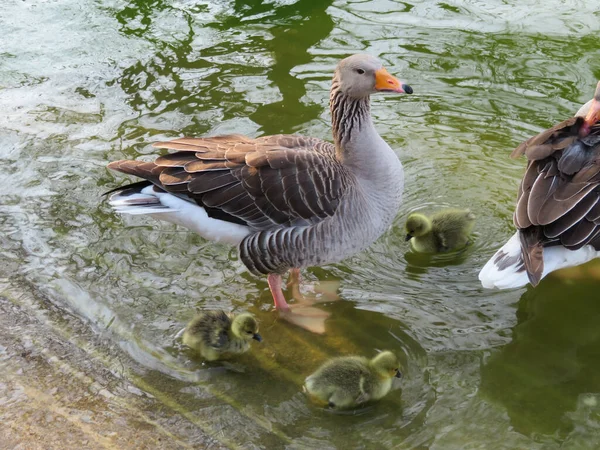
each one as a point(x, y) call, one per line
point(553, 359)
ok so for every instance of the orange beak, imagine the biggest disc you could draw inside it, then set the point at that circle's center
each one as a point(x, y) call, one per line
point(593, 114)
point(384, 82)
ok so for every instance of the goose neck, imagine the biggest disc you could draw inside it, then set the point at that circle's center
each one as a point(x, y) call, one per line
point(350, 117)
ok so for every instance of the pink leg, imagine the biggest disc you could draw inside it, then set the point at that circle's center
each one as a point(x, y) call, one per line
point(294, 284)
point(327, 289)
point(274, 281)
point(300, 314)
point(295, 277)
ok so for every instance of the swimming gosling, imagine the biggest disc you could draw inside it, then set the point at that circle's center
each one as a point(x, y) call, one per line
point(446, 230)
point(348, 381)
point(215, 334)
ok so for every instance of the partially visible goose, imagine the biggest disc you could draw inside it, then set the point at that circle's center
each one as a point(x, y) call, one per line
point(288, 201)
point(558, 207)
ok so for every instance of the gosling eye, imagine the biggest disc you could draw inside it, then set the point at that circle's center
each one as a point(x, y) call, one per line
point(249, 332)
point(360, 71)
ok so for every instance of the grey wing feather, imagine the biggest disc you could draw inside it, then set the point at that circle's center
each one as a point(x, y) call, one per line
point(264, 183)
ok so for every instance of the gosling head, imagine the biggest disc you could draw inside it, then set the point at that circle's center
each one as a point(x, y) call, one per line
point(417, 225)
point(361, 75)
point(245, 326)
point(386, 364)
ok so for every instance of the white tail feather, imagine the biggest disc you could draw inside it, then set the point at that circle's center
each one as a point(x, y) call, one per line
point(118, 199)
point(168, 207)
point(140, 210)
point(505, 269)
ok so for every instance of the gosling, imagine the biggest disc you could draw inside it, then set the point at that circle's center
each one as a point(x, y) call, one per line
point(348, 381)
point(216, 335)
point(446, 230)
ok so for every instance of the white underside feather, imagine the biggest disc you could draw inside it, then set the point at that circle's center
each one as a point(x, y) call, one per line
point(556, 257)
point(170, 208)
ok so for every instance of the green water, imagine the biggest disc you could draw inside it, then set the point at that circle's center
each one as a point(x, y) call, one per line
point(83, 83)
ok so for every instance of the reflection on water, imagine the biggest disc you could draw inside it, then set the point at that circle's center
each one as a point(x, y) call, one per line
point(551, 367)
point(294, 27)
point(86, 83)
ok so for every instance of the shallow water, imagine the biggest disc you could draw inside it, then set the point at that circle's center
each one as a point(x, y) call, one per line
point(83, 83)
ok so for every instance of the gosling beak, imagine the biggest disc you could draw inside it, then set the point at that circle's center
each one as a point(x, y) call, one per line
point(398, 373)
point(593, 114)
point(384, 82)
point(408, 237)
point(257, 337)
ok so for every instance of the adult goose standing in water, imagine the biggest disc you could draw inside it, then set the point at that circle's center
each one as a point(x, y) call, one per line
point(287, 201)
point(558, 206)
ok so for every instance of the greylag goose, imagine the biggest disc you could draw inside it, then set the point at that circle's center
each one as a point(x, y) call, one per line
point(287, 201)
point(558, 208)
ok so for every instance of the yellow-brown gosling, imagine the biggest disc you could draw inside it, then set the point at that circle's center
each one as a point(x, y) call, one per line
point(348, 381)
point(215, 334)
point(446, 230)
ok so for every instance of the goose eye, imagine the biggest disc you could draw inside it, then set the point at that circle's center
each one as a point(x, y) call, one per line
point(360, 71)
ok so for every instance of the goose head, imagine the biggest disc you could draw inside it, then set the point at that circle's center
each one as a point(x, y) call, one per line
point(361, 75)
point(591, 112)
